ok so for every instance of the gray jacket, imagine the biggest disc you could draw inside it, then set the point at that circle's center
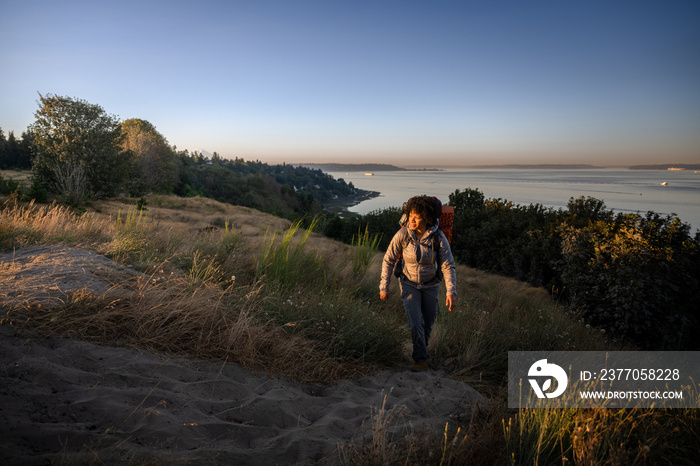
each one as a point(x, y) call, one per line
point(420, 265)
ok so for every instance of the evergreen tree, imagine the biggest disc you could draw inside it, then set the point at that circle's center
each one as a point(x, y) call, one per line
point(24, 155)
point(4, 162)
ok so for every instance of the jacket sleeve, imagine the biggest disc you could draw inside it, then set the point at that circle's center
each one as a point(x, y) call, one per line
point(390, 258)
point(447, 265)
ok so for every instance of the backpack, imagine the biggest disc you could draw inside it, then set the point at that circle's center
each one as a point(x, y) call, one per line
point(445, 216)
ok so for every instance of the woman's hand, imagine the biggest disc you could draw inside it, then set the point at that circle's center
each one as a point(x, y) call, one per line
point(384, 296)
point(450, 301)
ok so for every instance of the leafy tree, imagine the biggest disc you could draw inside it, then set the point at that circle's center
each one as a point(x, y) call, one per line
point(77, 151)
point(154, 166)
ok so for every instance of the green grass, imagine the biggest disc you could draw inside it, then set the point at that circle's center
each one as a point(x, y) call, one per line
point(287, 262)
point(363, 250)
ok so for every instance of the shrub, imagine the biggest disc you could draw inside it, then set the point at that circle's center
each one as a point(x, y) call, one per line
point(634, 276)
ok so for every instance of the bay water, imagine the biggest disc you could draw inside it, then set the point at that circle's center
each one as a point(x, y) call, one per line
point(630, 191)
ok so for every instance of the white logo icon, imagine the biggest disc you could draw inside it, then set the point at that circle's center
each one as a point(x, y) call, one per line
point(543, 369)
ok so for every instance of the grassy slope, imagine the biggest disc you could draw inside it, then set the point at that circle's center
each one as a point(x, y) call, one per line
point(231, 283)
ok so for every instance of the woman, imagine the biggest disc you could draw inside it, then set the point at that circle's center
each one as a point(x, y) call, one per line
point(425, 251)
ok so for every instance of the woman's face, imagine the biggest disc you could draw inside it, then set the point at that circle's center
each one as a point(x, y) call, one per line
point(416, 222)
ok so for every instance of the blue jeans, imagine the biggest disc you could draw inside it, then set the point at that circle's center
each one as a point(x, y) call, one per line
point(421, 306)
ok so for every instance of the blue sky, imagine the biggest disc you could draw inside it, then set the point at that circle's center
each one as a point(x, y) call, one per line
point(405, 82)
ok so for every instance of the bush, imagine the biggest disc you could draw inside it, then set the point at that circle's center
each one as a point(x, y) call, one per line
point(8, 186)
point(635, 276)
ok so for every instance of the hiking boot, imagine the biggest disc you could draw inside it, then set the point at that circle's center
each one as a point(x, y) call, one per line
point(419, 366)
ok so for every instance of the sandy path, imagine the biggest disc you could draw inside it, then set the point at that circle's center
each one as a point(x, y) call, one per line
point(73, 400)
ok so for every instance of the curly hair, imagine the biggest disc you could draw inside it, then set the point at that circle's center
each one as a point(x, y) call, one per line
point(425, 207)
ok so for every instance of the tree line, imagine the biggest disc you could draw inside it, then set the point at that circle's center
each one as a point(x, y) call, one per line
point(77, 153)
point(15, 153)
point(634, 276)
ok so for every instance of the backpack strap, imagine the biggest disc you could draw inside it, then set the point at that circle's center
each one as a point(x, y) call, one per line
point(436, 256)
point(398, 266)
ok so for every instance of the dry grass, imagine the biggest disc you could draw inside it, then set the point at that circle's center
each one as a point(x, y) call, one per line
point(23, 225)
point(198, 294)
point(165, 313)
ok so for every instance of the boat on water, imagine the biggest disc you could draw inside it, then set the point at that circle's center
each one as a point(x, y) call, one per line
point(665, 183)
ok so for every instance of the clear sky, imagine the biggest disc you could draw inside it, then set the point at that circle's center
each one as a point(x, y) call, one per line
point(407, 82)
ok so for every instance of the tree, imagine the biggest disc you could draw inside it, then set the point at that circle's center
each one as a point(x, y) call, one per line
point(13, 153)
point(4, 158)
point(154, 168)
point(12, 150)
point(77, 151)
point(24, 155)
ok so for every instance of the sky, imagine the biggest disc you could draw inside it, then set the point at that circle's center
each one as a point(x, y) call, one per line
point(412, 83)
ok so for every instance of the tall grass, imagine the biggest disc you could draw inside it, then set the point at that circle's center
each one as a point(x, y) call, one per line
point(363, 249)
point(133, 237)
point(205, 322)
point(603, 436)
point(204, 269)
point(22, 225)
point(287, 262)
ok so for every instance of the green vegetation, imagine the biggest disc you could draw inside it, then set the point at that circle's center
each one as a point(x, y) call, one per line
point(363, 251)
point(283, 190)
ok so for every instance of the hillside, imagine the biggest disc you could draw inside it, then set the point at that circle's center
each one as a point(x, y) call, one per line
point(198, 331)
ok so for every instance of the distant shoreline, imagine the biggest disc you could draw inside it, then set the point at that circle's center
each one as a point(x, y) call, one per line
point(380, 167)
point(362, 167)
point(668, 166)
point(543, 166)
point(341, 205)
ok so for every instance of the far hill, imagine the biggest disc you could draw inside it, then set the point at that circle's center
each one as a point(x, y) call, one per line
point(360, 167)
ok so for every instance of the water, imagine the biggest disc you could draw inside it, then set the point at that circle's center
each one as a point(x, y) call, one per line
point(622, 190)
